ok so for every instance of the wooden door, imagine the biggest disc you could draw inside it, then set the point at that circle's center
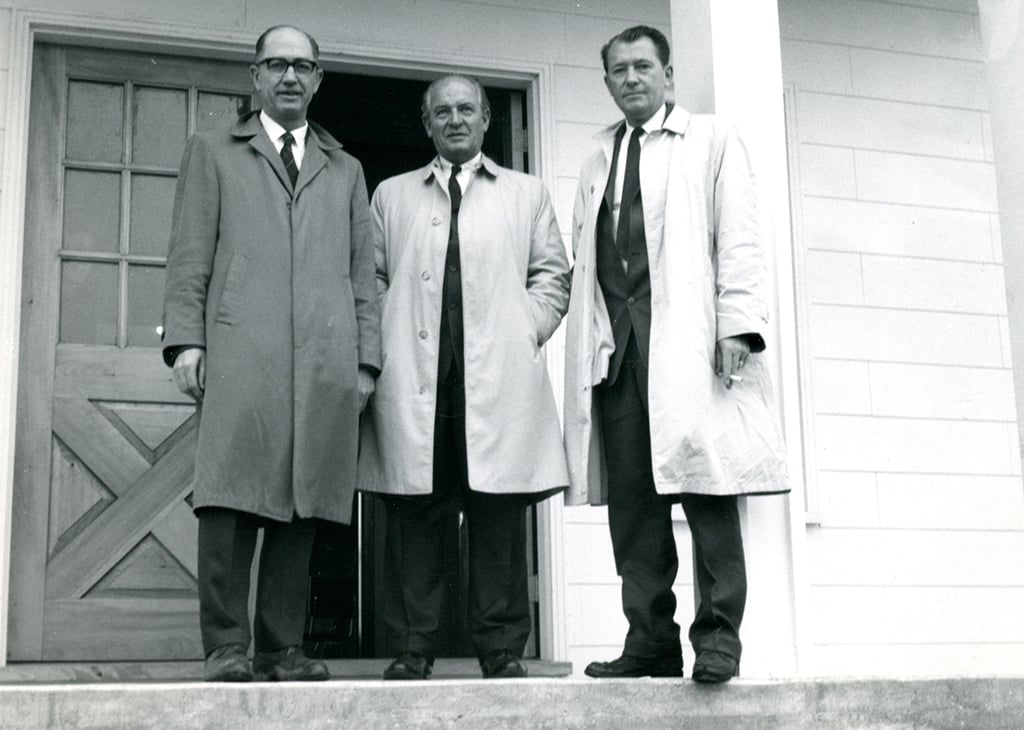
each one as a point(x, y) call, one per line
point(104, 539)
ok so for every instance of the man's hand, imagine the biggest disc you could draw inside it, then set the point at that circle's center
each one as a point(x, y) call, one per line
point(190, 372)
point(731, 356)
point(367, 384)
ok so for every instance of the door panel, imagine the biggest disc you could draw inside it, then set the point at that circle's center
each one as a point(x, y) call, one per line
point(103, 559)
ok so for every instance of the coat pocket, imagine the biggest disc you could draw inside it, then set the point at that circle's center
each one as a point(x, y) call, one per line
point(230, 303)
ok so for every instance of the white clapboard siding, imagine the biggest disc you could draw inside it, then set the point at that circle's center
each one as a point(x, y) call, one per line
point(875, 124)
point(916, 564)
point(915, 660)
point(912, 615)
point(884, 558)
point(896, 230)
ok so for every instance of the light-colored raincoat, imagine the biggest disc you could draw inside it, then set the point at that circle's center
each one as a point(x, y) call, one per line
point(515, 291)
point(707, 283)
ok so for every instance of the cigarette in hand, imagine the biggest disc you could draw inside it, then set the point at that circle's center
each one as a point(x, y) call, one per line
point(736, 378)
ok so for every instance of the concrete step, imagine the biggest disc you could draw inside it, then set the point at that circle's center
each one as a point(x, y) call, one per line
point(525, 703)
point(192, 671)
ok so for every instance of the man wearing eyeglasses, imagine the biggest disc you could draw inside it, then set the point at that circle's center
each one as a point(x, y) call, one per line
point(271, 322)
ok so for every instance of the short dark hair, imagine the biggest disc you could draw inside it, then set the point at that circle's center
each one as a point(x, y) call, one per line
point(263, 39)
point(632, 35)
point(485, 103)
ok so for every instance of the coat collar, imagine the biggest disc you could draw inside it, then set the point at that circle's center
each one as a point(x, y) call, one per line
point(486, 163)
point(676, 121)
point(319, 143)
point(248, 126)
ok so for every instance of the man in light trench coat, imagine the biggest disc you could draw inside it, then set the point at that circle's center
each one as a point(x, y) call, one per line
point(272, 322)
point(474, 279)
point(667, 399)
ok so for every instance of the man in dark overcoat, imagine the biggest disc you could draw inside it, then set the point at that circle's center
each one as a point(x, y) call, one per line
point(272, 323)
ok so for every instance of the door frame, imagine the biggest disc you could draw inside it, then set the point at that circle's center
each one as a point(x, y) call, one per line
point(31, 26)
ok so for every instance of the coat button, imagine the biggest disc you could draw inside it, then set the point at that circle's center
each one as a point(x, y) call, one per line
point(423, 334)
point(631, 300)
point(452, 267)
point(422, 390)
point(435, 222)
point(425, 276)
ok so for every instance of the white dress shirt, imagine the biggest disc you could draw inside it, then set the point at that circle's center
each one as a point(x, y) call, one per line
point(649, 126)
point(275, 131)
point(466, 174)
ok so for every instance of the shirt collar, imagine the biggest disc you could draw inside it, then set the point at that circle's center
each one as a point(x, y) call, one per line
point(654, 123)
point(469, 165)
point(275, 130)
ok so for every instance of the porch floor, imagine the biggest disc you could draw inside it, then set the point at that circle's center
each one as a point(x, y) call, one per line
point(121, 697)
point(192, 671)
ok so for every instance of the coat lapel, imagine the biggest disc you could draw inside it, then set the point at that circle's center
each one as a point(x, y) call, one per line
point(319, 143)
point(249, 127)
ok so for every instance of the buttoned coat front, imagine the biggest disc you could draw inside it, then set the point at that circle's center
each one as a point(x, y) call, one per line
point(279, 288)
point(515, 280)
point(707, 283)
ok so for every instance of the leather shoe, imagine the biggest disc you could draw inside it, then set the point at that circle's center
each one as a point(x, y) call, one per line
point(227, 663)
point(409, 665)
point(288, 665)
point(715, 667)
point(634, 666)
point(502, 664)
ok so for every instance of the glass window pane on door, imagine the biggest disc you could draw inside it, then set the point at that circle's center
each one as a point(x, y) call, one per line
point(88, 303)
point(95, 122)
point(218, 110)
point(92, 211)
point(159, 126)
point(151, 208)
point(145, 304)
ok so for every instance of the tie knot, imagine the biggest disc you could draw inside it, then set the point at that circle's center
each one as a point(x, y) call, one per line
point(287, 139)
point(637, 133)
point(456, 169)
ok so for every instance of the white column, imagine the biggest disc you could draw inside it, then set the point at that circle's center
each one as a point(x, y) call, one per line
point(727, 60)
point(1002, 29)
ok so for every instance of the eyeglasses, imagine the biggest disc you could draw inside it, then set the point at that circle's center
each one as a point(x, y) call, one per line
point(279, 66)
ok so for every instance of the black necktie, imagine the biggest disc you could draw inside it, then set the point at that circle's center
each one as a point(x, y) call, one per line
point(455, 191)
point(450, 347)
point(288, 158)
point(630, 190)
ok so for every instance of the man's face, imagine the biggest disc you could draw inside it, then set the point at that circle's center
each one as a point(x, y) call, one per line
point(636, 79)
point(285, 96)
point(455, 120)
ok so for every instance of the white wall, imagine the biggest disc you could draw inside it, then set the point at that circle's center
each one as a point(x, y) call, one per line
point(917, 567)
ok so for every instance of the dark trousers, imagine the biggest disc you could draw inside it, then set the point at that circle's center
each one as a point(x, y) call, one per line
point(499, 610)
point(641, 529)
point(227, 543)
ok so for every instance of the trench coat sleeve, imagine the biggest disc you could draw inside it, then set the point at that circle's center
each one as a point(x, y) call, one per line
point(361, 266)
point(379, 246)
point(547, 275)
point(741, 297)
point(191, 251)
